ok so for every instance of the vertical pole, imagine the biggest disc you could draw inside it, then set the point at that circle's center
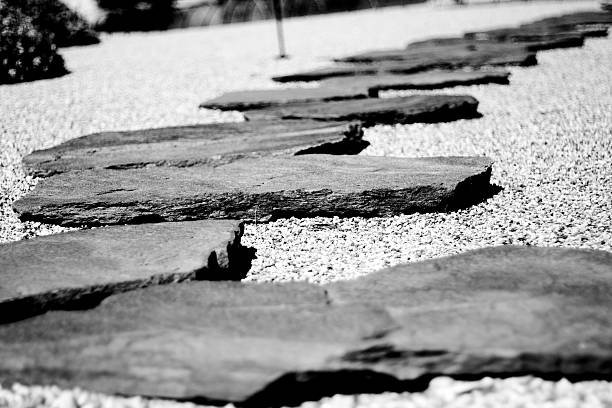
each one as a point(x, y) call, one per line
point(278, 15)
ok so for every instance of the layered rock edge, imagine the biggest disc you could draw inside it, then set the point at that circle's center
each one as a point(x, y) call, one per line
point(281, 344)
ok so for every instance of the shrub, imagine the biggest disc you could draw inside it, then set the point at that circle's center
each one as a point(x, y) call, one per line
point(26, 53)
point(55, 17)
point(137, 15)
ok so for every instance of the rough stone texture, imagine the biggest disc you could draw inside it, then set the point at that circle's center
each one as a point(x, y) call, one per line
point(260, 189)
point(461, 52)
point(352, 88)
point(374, 111)
point(373, 84)
point(78, 269)
point(408, 62)
point(531, 310)
point(210, 145)
point(585, 24)
point(246, 100)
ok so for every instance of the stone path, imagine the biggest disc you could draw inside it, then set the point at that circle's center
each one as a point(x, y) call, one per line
point(260, 189)
point(78, 269)
point(512, 46)
point(200, 145)
point(353, 88)
point(501, 311)
point(375, 111)
point(504, 310)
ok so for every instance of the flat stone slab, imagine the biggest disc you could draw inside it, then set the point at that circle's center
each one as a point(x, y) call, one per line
point(583, 24)
point(336, 89)
point(373, 84)
point(460, 52)
point(263, 98)
point(201, 145)
point(409, 62)
point(374, 111)
point(260, 189)
point(498, 311)
point(78, 269)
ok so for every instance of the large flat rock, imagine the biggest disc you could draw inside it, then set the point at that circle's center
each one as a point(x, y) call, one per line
point(263, 98)
point(201, 145)
point(373, 111)
point(262, 189)
point(461, 52)
point(582, 24)
point(373, 84)
point(498, 311)
point(398, 62)
point(78, 269)
point(361, 87)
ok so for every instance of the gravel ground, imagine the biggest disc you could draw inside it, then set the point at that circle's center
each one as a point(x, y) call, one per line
point(549, 133)
point(443, 392)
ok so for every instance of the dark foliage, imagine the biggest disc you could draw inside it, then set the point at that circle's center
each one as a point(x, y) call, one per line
point(26, 52)
point(54, 17)
point(136, 15)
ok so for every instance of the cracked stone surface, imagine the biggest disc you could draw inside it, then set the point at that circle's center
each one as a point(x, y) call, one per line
point(78, 269)
point(373, 111)
point(260, 189)
point(530, 310)
point(186, 146)
point(352, 88)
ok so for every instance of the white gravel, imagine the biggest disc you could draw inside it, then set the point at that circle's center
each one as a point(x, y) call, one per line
point(549, 133)
point(443, 392)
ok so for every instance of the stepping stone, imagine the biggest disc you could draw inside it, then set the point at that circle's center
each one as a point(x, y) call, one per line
point(424, 80)
point(374, 111)
point(260, 189)
point(76, 270)
point(555, 38)
point(450, 53)
point(502, 311)
point(336, 89)
point(404, 62)
point(585, 24)
point(209, 145)
point(573, 21)
point(248, 100)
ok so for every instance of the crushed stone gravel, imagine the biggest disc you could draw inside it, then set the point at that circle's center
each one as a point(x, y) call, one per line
point(443, 392)
point(549, 133)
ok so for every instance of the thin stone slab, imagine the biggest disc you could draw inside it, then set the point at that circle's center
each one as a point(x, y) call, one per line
point(374, 111)
point(336, 89)
point(201, 145)
point(260, 189)
point(402, 63)
point(584, 24)
point(257, 99)
point(460, 52)
point(374, 84)
point(498, 311)
point(78, 269)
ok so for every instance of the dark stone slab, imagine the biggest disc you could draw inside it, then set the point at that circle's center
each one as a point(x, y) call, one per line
point(337, 89)
point(498, 311)
point(257, 99)
point(408, 62)
point(78, 269)
point(451, 53)
point(372, 111)
point(209, 145)
point(583, 24)
point(373, 84)
point(262, 189)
